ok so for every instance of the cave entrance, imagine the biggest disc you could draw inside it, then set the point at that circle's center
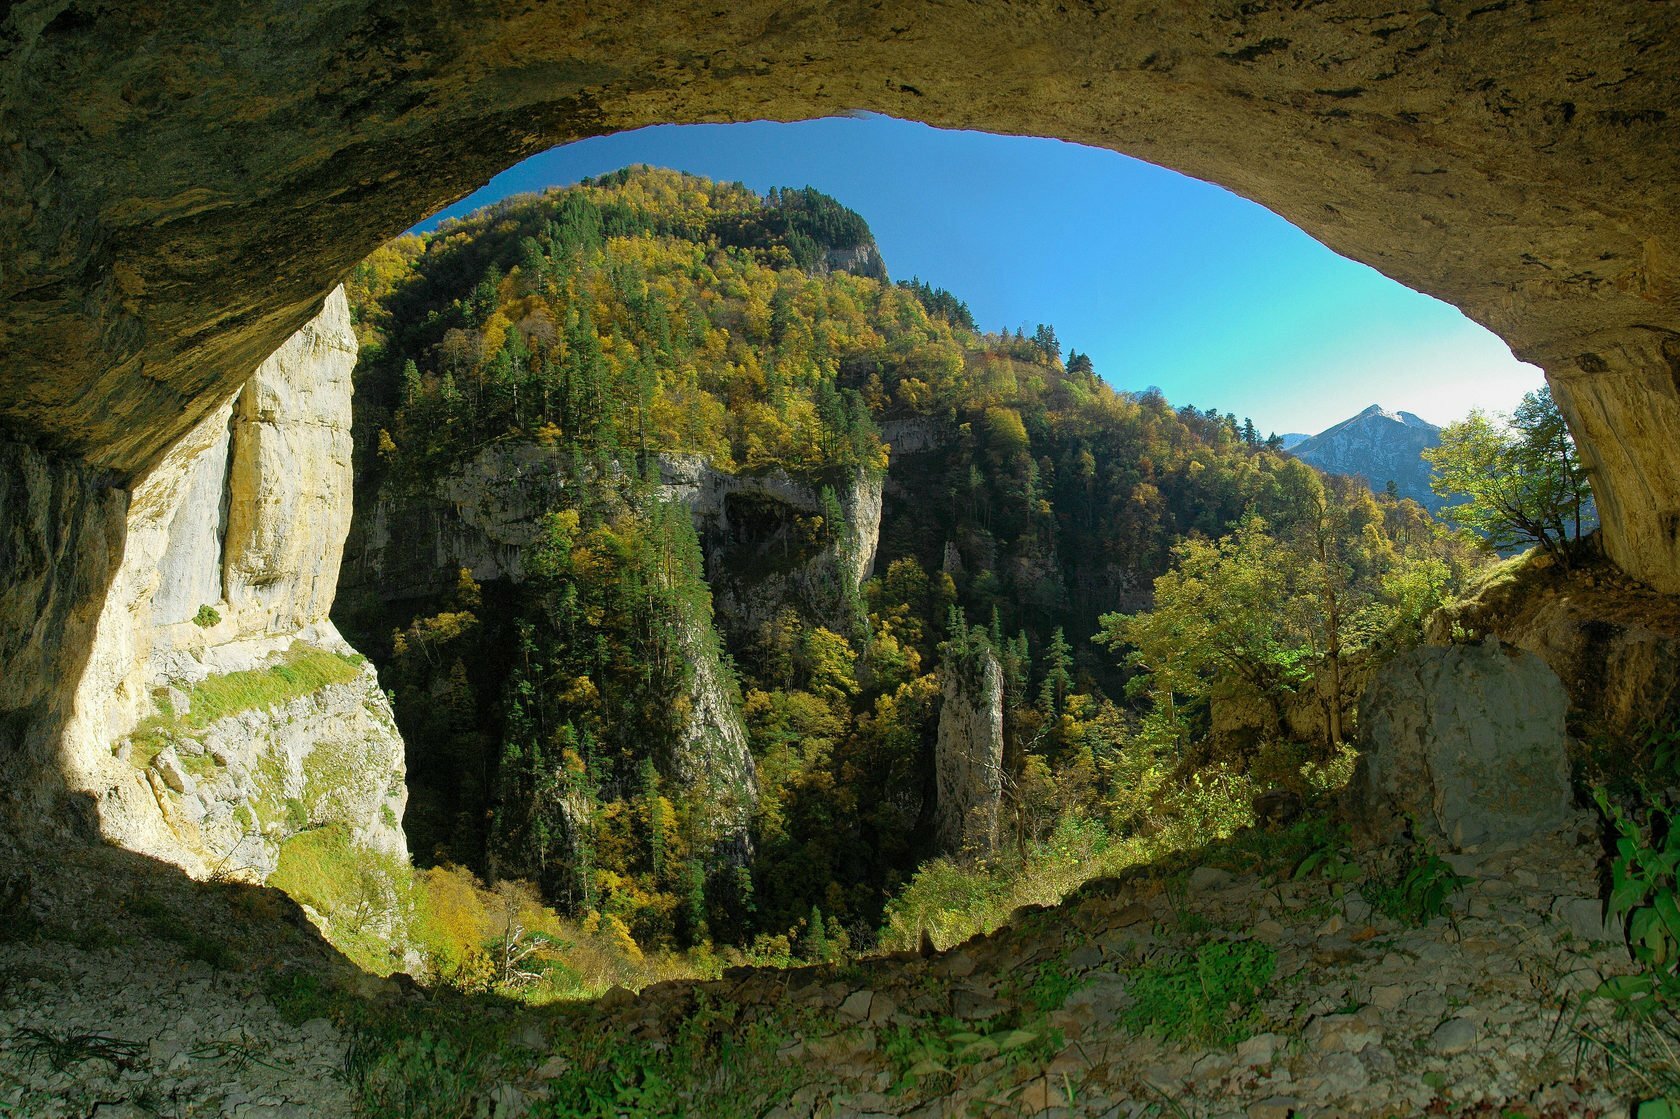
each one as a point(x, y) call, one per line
point(906, 533)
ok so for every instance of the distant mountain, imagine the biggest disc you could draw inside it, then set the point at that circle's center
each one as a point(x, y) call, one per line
point(1379, 446)
point(1292, 438)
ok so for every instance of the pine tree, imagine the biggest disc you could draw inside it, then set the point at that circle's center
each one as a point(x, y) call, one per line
point(1058, 677)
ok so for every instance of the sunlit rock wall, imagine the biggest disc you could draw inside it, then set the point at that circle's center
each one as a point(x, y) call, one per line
point(229, 562)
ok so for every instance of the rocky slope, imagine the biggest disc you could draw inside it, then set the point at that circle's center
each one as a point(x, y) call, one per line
point(1469, 1014)
point(219, 711)
point(1380, 447)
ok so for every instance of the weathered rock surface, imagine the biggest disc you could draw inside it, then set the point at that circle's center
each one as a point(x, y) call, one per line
point(1379, 446)
point(712, 756)
point(182, 186)
point(486, 513)
point(201, 1035)
point(61, 537)
point(289, 478)
point(968, 754)
point(1613, 643)
point(229, 559)
point(1468, 740)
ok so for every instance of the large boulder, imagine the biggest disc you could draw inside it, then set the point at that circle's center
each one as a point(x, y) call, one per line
point(1468, 740)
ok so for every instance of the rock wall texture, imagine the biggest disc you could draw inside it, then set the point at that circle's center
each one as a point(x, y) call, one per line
point(1468, 740)
point(1613, 643)
point(483, 515)
point(968, 755)
point(182, 184)
point(228, 562)
point(61, 537)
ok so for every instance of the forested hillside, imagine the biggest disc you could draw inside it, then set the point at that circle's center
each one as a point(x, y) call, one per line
point(672, 506)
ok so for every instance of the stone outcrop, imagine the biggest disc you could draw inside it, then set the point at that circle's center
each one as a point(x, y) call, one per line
point(229, 560)
point(968, 754)
point(61, 537)
point(486, 513)
point(1380, 447)
point(181, 186)
point(713, 756)
point(1613, 643)
point(1468, 740)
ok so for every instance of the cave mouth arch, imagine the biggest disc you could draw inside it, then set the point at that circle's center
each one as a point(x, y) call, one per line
point(181, 188)
point(1512, 161)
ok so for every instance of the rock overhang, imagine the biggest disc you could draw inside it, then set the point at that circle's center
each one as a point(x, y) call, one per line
point(182, 187)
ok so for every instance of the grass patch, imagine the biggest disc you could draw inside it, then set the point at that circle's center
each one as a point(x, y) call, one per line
point(718, 1062)
point(440, 1059)
point(64, 1051)
point(932, 1052)
point(954, 900)
point(1209, 995)
point(367, 897)
point(300, 671)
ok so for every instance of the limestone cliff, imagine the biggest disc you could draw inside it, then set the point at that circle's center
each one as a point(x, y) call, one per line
point(968, 755)
point(759, 532)
point(770, 539)
point(712, 755)
point(219, 711)
point(61, 537)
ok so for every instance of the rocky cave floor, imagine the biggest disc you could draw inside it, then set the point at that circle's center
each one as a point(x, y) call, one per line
point(1473, 1014)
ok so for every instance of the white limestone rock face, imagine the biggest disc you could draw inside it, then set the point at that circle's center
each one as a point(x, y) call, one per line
point(229, 564)
point(713, 755)
point(289, 477)
point(1469, 740)
point(968, 755)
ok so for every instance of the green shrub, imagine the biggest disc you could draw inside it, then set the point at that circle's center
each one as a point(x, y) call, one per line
point(207, 616)
point(931, 1051)
point(1417, 891)
point(718, 1063)
point(1641, 1045)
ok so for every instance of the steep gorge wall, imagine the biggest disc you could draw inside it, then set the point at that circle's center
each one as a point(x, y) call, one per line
point(228, 565)
point(61, 539)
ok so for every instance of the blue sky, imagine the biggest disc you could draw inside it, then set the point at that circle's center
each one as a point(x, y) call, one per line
point(1162, 279)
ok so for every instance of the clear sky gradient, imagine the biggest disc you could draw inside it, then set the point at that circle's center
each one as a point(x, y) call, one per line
point(1164, 280)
